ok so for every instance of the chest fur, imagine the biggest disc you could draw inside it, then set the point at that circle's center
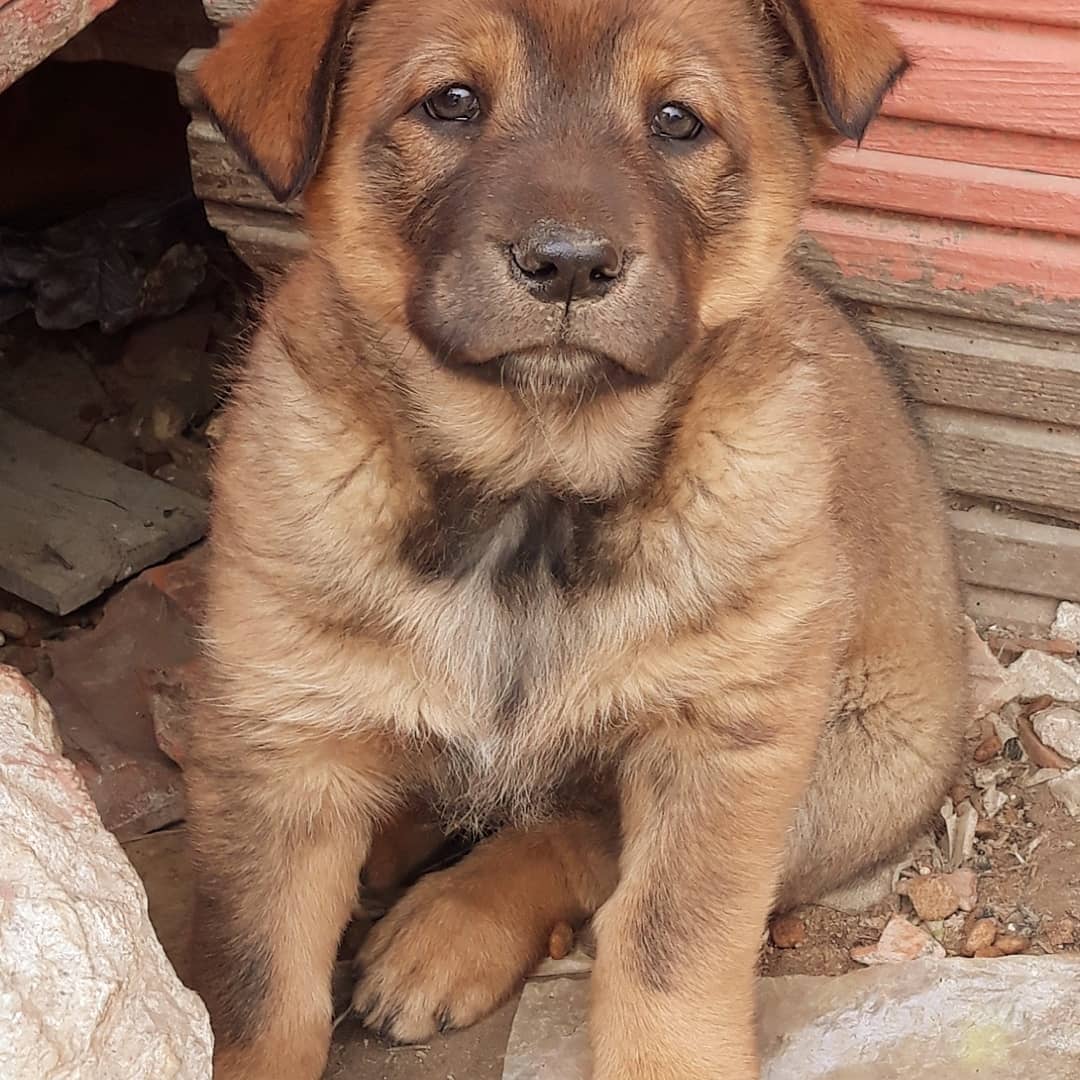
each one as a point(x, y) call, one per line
point(518, 546)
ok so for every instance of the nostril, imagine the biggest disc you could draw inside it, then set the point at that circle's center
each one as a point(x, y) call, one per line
point(532, 264)
point(563, 264)
point(608, 265)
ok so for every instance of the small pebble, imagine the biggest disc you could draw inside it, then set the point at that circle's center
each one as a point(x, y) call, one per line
point(1014, 750)
point(988, 749)
point(788, 932)
point(980, 935)
point(900, 941)
point(1011, 944)
point(965, 883)
point(933, 898)
point(959, 793)
point(561, 941)
point(13, 625)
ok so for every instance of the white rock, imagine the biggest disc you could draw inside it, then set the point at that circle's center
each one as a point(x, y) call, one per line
point(1067, 623)
point(992, 685)
point(1041, 776)
point(1037, 673)
point(990, 775)
point(1059, 728)
point(960, 826)
point(1066, 789)
point(1011, 1018)
point(86, 992)
point(993, 801)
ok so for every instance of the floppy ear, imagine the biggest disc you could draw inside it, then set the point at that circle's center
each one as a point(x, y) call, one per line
point(270, 83)
point(853, 59)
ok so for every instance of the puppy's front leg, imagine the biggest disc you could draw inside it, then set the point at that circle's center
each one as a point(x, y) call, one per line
point(277, 837)
point(704, 822)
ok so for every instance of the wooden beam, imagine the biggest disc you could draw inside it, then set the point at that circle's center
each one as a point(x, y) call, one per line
point(267, 242)
point(974, 271)
point(1004, 76)
point(959, 191)
point(186, 89)
point(1043, 12)
point(75, 522)
point(1024, 614)
point(224, 12)
point(220, 176)
point(985, 367)
point(1001, 552)
point(998, 457)
point(975, 146)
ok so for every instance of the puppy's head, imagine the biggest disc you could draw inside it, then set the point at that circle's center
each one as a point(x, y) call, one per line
point(555, 193)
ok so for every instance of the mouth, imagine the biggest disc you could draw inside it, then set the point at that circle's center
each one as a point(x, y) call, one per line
point(554, 370)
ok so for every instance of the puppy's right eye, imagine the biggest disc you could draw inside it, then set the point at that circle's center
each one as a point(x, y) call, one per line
point(454, 103)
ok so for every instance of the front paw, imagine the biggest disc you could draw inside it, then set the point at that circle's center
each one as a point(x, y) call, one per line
point(442, 958)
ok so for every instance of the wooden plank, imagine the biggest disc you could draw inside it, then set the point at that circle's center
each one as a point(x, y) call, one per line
point(1043, 12)
point(75, 522)
point(985, 367)
point(1001, 552)
point(1026, 615)
point(974, 271)
point(186, 89)
point(224, 12)
point(267, 242)
point(975, 74)
point(1000, 457)
point(976, 146)
point(959, 191)
point(31, 30)
point(220, 176)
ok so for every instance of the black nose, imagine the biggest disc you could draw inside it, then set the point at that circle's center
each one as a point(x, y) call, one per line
point(561, 264)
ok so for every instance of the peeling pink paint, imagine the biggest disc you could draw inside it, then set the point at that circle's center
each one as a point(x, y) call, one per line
point(948, 255)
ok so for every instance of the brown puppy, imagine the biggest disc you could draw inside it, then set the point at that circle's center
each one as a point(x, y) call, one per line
point(551, 493)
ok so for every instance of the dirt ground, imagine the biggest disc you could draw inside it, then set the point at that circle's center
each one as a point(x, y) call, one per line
point(111, 393)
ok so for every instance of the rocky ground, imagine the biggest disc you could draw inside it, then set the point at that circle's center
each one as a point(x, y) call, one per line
point(999, 874)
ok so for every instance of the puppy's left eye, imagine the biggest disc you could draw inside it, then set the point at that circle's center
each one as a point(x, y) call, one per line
point(453, 103)
point(674, 121)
